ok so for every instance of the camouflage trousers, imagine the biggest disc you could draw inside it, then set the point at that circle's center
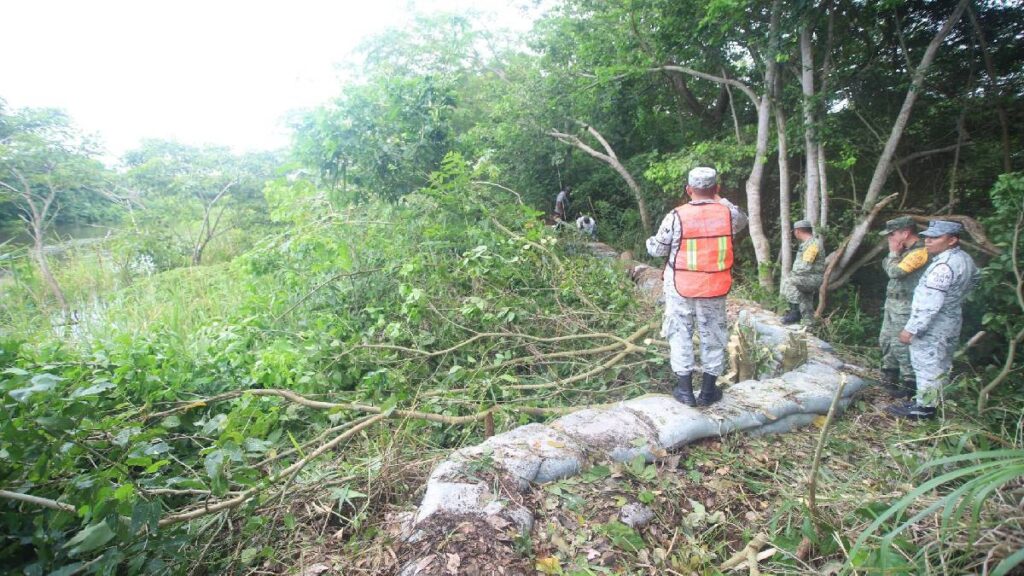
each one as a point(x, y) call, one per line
point(707, 315)
point(895, 354)
point(931, 353)
point(801, 290)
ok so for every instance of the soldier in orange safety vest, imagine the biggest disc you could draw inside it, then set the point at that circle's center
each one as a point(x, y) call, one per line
point(697, 237)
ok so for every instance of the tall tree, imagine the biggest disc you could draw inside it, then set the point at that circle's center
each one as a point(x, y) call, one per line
point(43, 160)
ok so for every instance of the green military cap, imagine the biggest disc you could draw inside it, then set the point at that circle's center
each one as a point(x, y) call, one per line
point(802, 224)
point(901, 223)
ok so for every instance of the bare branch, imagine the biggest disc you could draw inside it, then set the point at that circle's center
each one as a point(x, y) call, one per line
point(704, 75)
point(37, 501)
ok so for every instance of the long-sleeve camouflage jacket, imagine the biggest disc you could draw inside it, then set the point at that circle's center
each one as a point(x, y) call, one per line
point(809, 264)
point(904, 270)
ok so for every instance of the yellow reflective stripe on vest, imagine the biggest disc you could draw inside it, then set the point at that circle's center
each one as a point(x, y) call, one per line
point(691, 254)
point(722, 246)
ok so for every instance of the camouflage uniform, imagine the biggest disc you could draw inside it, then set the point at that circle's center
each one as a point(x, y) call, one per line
point(935, 319)
point(904, 270)
point(680, 312)
point(805, 278)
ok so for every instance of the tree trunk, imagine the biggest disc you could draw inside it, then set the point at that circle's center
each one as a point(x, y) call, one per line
point(823, 184)
point(812, 192)
point(884, 166)
point(834, 269)
point(785, 234)
point(885, 161)
point(826, 69)
point(38, 252)
point(38, 218)
point(762, 249)
point(612, 160)
point(990, 69)
point(732, 110)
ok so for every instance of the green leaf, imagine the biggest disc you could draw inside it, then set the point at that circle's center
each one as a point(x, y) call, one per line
point(596, 473)
point(623, 536)
point(55, 423)
point(145, 514)
point(249, 554)
point(40, 383)
point(93, 390)
point(90, 538)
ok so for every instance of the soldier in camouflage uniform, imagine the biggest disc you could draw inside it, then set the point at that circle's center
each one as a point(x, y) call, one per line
point(904, 266)
point(683, 313)
point(806, 276)
point(935, 316)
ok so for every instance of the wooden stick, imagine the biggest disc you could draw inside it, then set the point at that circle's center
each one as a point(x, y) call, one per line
point(741, 556)
point(37, 501)
point(812, 477)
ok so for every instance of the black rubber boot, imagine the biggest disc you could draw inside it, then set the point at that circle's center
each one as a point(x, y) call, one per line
point(909, 388)
point(793, 315)
point(890, 376)
point(683, 392)
point(892, 385)
point(709, 392)
point(912, 411)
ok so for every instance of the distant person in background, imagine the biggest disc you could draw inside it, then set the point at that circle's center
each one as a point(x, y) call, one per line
point(587, 225)
point(805, 278)
point(936, 315)
point(697, 238)
point(904, 266)
point(562, 205)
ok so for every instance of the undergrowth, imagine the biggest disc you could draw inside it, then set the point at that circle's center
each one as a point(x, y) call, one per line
point(279, 411)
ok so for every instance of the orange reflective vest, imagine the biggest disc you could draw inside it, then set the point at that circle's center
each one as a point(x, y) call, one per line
point(703, 262)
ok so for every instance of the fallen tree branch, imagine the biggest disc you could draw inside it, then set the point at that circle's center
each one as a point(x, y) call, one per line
point(321, 285)
point(37, 501)
point(837, 257)
point(282, 475)
point(519, 238)
point(628, 348)
point(519, 197)
point(857, 265)
point(481, 335)
point(754, 545)
point(320, 405)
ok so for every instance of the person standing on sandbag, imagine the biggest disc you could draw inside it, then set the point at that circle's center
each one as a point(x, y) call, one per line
point(936, 316)
point(697, 237)
point(806, 277)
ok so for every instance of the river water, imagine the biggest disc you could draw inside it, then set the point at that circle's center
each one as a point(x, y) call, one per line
point(58, 239)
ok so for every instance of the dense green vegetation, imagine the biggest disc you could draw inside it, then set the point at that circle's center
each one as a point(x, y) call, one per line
point(266, 353)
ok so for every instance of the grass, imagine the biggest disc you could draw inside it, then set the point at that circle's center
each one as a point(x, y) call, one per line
point(713, 497)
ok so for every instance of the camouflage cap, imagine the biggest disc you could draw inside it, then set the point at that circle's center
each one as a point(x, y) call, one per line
point(702, 177)
point(938, 228)
point(901, 223)
point(802, 224)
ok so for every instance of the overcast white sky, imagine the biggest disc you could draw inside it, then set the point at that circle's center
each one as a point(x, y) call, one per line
point(197, 71)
